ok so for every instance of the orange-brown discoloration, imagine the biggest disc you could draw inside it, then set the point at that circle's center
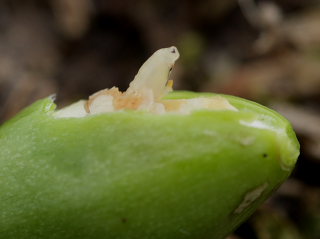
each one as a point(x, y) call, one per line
point(127, 101)
point(172, 105)
point(121, 100)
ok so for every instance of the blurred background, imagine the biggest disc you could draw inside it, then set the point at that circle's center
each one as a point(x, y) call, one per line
point(266, 51)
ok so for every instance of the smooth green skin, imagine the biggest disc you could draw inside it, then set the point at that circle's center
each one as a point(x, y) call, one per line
point(138, 175)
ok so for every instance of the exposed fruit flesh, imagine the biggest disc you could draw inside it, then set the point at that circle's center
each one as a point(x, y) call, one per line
point(145, 93)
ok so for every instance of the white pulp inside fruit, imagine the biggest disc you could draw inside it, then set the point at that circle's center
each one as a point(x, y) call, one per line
point(145, 93)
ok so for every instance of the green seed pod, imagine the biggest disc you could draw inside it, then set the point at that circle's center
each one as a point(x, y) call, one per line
point(186, 173)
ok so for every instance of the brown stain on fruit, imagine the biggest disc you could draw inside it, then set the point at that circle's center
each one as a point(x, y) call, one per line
point(121, 100)
point(250, 197)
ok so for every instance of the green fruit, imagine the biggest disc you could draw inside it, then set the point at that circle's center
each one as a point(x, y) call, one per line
point(133, 174)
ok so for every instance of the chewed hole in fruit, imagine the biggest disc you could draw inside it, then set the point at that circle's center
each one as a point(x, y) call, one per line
point(146, 93)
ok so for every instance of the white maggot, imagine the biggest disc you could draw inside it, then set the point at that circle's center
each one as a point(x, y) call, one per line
point(145, 93)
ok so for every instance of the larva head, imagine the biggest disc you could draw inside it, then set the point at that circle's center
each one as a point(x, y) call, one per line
point(154, 73)
point(170, 55)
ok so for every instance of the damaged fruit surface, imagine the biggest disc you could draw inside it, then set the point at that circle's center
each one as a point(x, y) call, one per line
point(177, 165)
